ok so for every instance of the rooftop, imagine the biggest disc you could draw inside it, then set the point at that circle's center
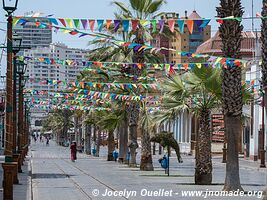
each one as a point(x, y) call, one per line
point(213, 45)
point(194, 15)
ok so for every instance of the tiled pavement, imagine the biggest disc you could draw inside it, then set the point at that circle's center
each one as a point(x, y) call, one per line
point(55, 177)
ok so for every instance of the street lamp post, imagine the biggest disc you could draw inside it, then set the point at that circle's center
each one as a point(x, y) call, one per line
point(21, 68)
point(24, 141)
point(16, 45)
point(26, 125)
point(9, 167)
point(16, 40)
point(9, 6)
point(15, 49)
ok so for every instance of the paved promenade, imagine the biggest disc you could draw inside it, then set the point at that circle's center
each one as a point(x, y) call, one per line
point(52, 176)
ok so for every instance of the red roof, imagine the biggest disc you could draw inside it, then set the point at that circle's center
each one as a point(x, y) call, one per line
point(213, 45)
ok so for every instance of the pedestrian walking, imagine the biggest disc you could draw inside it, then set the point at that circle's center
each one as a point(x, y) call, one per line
point(73, 151)
point(47, 141)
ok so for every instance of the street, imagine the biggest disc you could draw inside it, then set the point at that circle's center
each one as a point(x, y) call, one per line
point(55, 177)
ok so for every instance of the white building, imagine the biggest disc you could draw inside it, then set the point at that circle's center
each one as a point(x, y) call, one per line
point(252, 139)
point(40, 71)
point(34, 36)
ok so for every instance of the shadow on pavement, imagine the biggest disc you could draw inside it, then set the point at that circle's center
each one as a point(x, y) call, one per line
point(46, 175)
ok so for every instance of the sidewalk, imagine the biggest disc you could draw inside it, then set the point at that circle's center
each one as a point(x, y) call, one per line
point(21, 191)
point(55, 177)
point(48, 174)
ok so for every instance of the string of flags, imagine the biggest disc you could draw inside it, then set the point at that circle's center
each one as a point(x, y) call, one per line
point(83, 84)
point(125, 24)
point(139, 47)
point(215, 62)
point(82, 108)
point(87, 94)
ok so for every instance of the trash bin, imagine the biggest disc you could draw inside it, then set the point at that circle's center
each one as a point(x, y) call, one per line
point(164, 162)
point(94, 151)
point(115, 155)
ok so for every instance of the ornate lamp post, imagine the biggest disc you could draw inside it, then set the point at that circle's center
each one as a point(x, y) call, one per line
point(16, 45)
point(16, 48)
point(9, 6)
point(9, 167)
point(21, 68)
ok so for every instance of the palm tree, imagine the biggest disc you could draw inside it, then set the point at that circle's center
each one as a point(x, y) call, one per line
point(59, 122)
point(199, 92)
point(110, 122)
point(146, 124)
point(230, 33)
point(137, 9)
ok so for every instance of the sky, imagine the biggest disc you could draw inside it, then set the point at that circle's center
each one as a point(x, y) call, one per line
point(103, 9)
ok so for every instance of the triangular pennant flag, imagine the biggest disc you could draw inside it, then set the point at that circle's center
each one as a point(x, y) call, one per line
point(77, 23)
point(205, 23)
point(154, 25)
point(73, 32)
point(108, 23)
point(161, 25)
point(15, 21)
point(171, 23)
point(144, 22)
point(37, 24)
point(53, 21)
point(84, 23)
point(22, 22)
point(220, 21)
point(172, 71)
point(125, 25)
point(135, 23)
point(82, 35)
point(69, 22)
point(181, 25)
point(186, 66)
point(116, 25)
point(198, 24)
point(167, 68)
point(198, 65)
point(190, 25)
point(100, 23)
point(92, 24)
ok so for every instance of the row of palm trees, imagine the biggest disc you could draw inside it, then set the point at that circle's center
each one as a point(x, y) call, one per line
point(197, 92)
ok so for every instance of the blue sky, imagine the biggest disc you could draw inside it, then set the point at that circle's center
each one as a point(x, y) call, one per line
point(102, 9)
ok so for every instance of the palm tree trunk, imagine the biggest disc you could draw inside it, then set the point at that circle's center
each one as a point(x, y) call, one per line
point(87, 145)
point(133, 120)
point(146, 156)
point(232, 180)
point(76, 131)
point(123, 141)
point(65, 127)
point(134, 107)
point(203, 170)
point(111, 145)
point(98, 142)
point(231, 35)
